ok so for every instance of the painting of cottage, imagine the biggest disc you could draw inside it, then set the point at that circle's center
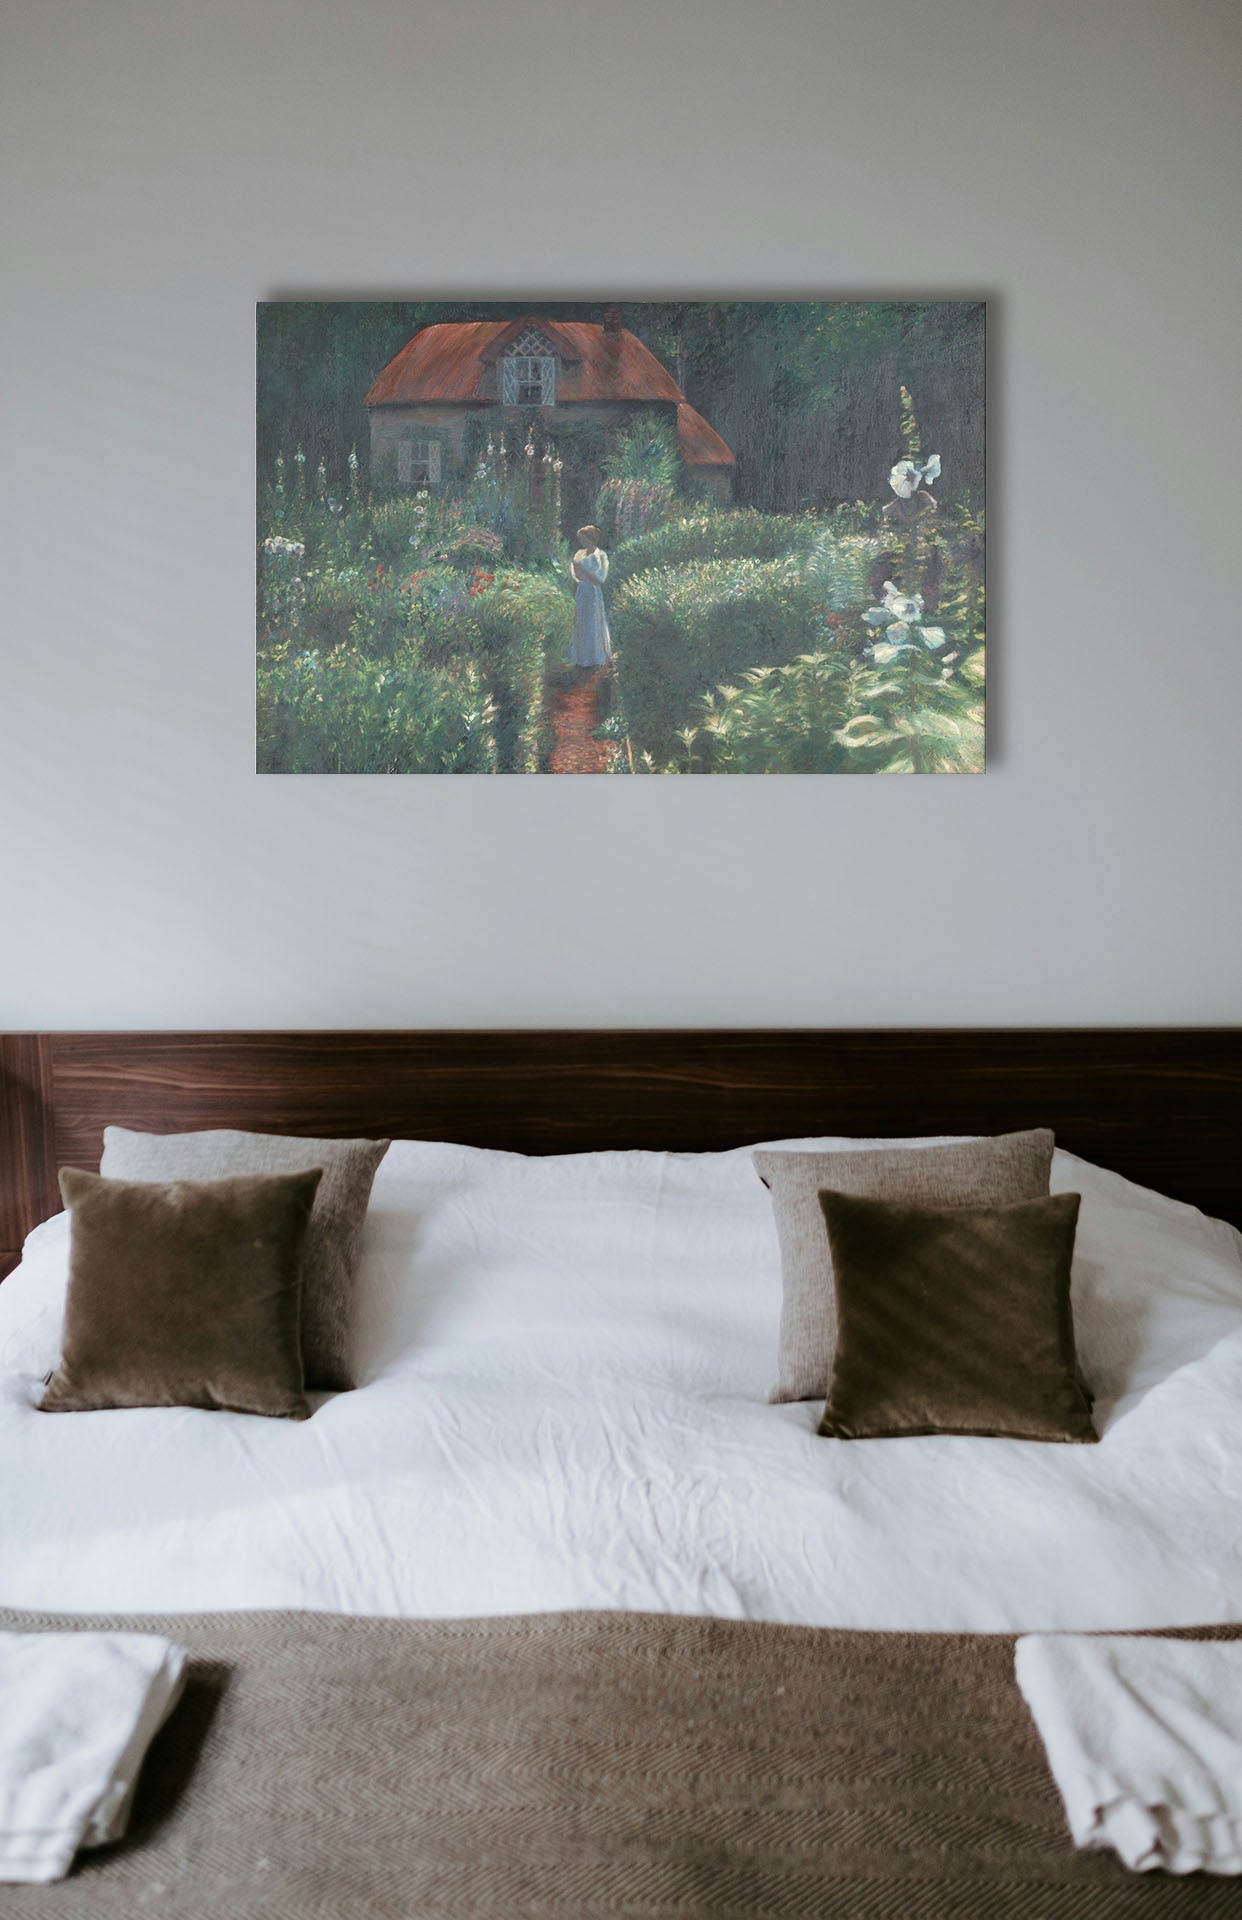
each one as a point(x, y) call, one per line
point(570, 373)
point(678, 537)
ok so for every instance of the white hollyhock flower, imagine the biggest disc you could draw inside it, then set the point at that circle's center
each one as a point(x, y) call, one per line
point(907, 476)
point(896, 605)
point(902, 606)
point(900, 616)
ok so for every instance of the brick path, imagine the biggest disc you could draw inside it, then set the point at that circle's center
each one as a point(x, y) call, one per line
point(575, 714)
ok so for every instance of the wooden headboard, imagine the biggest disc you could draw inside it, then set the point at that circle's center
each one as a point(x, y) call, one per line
point(1162, 1105)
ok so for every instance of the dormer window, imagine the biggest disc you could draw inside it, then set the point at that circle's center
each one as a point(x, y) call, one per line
point(529, 378)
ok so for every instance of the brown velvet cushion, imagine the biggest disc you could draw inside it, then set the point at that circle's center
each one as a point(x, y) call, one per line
point(333, 1248)
point(954, 1320)
point(963, 1173)
point(185, 1294)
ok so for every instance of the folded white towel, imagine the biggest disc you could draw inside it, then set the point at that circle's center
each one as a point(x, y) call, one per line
point(1144, 1738)
point(77, 1714)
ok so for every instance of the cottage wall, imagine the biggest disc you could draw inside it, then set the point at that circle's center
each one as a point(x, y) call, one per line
point(446, 422)
point(391, 425)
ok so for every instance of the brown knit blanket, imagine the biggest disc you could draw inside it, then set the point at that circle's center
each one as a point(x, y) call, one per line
point(557, 1767)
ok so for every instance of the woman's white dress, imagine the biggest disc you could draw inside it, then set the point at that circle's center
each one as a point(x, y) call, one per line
point(591, 645)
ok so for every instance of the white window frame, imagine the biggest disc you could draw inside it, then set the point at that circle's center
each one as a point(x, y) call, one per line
point(421, 456)
point(528, 377)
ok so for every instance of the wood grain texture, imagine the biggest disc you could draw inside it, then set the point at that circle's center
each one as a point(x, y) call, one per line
point(27, 1161)
point(1163, 1106)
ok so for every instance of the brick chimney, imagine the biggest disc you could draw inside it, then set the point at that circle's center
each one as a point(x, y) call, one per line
point(612, 323)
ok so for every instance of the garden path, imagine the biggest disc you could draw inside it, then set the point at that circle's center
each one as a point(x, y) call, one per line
point(575, 715)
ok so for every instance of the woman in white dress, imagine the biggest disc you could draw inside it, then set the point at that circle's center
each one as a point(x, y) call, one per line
point(591, 645)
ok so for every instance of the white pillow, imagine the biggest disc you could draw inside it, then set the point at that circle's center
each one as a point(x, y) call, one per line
point(32, 1304)
point(1156, 1284)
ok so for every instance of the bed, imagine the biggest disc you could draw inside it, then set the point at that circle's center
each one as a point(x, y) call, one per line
point(570, 1292)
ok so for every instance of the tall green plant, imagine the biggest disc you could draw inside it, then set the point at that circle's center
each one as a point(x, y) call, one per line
point(914, 707)
point(912, 713)
point(646, 450)
point(640, 477)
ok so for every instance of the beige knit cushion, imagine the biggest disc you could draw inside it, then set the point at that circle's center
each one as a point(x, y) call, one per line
point(970, 1173)
point(334, 1243)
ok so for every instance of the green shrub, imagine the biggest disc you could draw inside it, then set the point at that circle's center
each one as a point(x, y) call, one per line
point(338, 531)
point(384, 614)
point(774, 720)
point(330, 602)
point(339, 712)
point(367, 608)
point(376, 609)
point(518, 621)
point(714, 535)
point(680, 632)
point(513, 627)
point(397, 528)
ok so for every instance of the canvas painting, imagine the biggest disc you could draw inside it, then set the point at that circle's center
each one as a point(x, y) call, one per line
point(655, 537)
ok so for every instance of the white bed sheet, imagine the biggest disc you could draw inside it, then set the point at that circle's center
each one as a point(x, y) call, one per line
point(568, 1363)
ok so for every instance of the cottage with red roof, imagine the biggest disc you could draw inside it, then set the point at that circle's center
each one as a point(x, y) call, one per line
point(559, 371)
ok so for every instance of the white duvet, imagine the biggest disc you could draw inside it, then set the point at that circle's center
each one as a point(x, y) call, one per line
point(567, 1369)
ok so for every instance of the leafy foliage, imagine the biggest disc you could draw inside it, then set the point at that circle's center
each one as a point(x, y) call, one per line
point(398, 528)
point(686, 629)
point(774, 720)
point(714, 534)
point(640, 470)
point(916, 718)
point(840, 567)
point(341, 712)
point(514, 629)
point(646, 450)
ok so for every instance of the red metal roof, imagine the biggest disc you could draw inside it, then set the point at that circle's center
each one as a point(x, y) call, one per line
point(701, 445)
point(446, 362)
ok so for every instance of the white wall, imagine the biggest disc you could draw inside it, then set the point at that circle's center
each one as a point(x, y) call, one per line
point(166, 163)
